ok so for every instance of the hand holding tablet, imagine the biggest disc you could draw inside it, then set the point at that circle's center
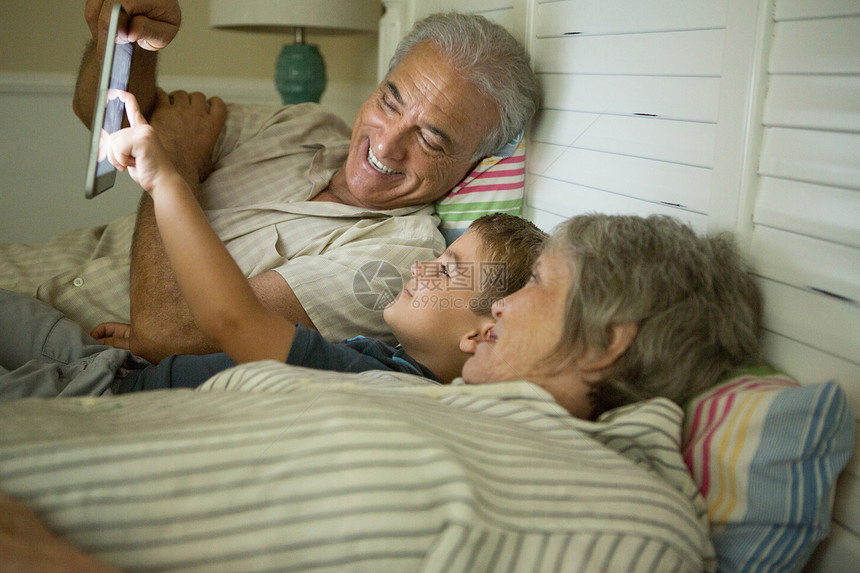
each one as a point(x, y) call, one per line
point(108, 113)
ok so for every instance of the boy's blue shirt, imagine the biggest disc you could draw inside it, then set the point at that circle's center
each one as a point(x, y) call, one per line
point(309, 349)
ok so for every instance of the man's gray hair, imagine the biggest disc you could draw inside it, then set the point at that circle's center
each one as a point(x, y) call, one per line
point(697, 308)
point(493, 60)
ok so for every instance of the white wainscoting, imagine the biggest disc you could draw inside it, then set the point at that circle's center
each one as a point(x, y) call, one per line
point(728, 114)
point(43, 148)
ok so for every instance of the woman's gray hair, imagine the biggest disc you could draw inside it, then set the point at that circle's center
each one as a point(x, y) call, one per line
point(697, 308)
point(492, 59)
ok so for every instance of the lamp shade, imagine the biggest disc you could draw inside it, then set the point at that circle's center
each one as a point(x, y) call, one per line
point(324, 16)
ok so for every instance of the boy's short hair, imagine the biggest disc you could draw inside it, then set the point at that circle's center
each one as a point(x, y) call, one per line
point(510, 246)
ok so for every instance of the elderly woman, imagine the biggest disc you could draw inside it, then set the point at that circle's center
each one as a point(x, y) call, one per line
point(621, 309)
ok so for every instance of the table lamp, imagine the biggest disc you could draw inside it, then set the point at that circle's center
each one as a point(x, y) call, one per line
point(299, 71)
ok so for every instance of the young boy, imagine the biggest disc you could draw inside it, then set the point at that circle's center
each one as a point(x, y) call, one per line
point(438, 318)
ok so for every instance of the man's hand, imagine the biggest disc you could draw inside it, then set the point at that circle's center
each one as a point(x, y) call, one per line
point(116, 334)
point(188, 126)
point(153, 23)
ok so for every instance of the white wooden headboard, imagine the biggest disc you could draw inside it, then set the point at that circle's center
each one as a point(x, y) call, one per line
point(730, 114)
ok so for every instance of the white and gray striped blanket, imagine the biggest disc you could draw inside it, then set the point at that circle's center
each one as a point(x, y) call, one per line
point(276, 468)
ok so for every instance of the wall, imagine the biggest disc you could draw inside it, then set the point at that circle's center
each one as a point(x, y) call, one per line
point(730, 115)
point(42, 144)
point(733, 115)
point(739, 115)
point(48, 37)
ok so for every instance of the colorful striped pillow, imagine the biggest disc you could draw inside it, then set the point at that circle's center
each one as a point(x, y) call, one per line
point(766, 453)
point(495, 185)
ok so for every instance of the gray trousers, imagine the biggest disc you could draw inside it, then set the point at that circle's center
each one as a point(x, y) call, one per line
point(44, 354)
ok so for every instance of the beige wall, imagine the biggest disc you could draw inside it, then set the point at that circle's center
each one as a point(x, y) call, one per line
point(48, 37)
point(43, 146)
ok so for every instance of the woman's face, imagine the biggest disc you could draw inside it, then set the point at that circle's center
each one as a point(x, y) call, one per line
point(528, 327)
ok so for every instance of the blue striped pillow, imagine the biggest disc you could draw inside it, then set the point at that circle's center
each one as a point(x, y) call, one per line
point(766, 453)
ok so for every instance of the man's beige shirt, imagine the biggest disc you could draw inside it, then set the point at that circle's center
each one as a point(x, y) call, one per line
point(269, 163)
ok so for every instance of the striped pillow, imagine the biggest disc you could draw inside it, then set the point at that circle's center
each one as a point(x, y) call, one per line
point(495, 185)
point(766, 453)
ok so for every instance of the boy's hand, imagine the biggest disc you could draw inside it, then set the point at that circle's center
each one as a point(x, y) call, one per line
point(137, 148)
point(116, 334)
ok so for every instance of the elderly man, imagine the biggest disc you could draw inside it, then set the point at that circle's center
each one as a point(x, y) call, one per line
point(302, 204)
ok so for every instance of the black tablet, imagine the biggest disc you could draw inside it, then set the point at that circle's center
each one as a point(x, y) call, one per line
point(108, 113)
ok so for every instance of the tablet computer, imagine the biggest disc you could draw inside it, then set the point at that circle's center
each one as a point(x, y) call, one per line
point(108, 113)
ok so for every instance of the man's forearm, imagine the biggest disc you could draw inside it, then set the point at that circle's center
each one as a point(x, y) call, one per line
point(161, 320)
point(141, 82)
point(188, 125)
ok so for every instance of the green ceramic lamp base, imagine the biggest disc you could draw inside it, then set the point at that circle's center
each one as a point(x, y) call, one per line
point(300, 74)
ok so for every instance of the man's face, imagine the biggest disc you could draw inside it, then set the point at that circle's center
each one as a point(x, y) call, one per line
point(415, 136)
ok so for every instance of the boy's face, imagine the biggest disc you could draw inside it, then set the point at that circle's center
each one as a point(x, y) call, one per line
point(438, 305)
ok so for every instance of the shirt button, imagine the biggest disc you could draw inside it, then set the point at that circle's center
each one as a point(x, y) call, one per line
point(78, 282)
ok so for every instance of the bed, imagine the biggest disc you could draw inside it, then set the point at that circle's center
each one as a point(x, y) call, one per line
point(272, 467)
point(269, 467)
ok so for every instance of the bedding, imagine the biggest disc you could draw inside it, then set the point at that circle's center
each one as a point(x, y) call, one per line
point(495, 185)
point(766, 453)
point(274, 467)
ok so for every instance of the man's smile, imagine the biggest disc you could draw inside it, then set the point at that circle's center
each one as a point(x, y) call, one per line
point(378, 165)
